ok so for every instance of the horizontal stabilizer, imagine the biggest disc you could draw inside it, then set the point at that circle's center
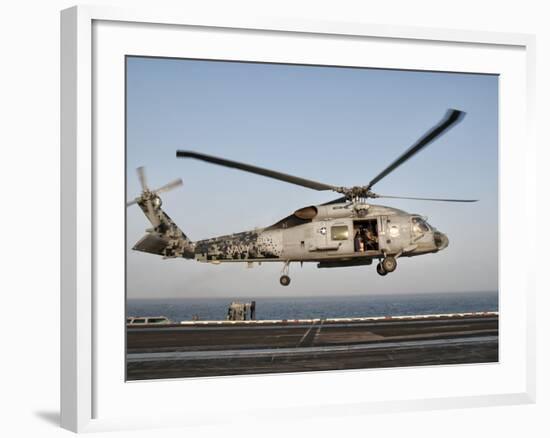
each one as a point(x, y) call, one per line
point(152, 243)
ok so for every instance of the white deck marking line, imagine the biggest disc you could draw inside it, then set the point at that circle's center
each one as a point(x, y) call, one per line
point(318, 332)
point(330, 323)
point(306, 333)
point(353, 319)
point(260, 352)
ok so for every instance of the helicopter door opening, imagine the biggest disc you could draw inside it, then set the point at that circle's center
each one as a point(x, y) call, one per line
point(365, 234)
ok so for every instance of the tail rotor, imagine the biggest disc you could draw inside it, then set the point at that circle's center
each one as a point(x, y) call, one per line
point(165, 238)
point(148, 195)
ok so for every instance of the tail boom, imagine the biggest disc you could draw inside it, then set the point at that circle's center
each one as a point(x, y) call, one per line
point(165, 238)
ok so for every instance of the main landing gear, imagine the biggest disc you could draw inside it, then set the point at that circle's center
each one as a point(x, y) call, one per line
point(387, 265)
point(380, 269)
point(285, 279)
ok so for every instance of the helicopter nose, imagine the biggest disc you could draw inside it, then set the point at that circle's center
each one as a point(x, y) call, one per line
point(441, 240)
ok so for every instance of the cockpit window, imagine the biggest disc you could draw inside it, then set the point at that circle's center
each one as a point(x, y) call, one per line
point(419, 225)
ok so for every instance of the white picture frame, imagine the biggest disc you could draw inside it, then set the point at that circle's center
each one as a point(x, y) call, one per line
point(93, 397)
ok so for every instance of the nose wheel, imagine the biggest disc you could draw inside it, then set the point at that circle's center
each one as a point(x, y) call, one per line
point(285, 279)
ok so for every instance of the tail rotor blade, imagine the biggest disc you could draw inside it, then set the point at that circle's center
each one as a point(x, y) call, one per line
point(146, 195)
point(142, 178)
point(169, 186)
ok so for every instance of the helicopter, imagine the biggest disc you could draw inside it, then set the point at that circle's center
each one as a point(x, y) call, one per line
point(347, 231)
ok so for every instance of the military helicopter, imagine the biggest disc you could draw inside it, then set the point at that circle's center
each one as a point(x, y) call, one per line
point(347, 231)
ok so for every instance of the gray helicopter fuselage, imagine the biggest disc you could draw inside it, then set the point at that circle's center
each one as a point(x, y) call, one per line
point(328, 234)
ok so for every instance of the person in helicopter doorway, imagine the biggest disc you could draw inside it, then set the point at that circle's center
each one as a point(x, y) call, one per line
point(371, 239)
point(364, 239)
point(358, 242)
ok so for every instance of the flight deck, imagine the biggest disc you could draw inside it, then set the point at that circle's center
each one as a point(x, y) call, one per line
point(221, 348)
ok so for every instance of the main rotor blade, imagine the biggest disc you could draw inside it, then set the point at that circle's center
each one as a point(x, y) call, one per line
point(257, 170)
point(128, 204)
point(344, 199)
point(452, 117)
point(142, 178)
point(427, 199)
point(336, 201)
point(169, 186)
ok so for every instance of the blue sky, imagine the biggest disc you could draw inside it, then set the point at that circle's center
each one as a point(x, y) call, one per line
point(335, 125)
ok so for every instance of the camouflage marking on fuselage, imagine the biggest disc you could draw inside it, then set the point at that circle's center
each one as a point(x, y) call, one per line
point(253, 245)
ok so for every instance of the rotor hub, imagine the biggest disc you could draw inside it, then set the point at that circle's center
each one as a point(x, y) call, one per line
point(357, 192)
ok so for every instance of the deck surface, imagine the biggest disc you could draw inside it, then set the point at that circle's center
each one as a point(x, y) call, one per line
point(221, 348)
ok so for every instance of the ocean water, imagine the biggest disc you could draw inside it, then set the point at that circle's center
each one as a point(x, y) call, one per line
point(183, 309)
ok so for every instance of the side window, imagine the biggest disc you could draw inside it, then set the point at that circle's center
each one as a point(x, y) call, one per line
point(339, 232)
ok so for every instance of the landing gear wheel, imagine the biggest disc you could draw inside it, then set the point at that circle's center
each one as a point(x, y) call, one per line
point(284, 280)
point(389, 264)
point(380, 269)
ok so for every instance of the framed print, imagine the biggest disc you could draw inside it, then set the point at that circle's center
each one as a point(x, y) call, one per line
point(258, 209)
point(193, 311)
